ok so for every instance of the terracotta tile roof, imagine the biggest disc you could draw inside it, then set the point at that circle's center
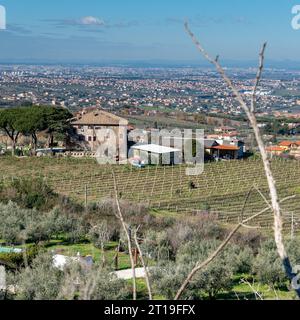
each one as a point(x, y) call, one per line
point(229, 148)
point(287, 143)
point(275, 148)
point(99, 117)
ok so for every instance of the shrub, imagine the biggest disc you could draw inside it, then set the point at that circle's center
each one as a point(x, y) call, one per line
point(202, 226)
point(19, 260)
point(167, 278)
point(156, 245)
point(179, 234)
point(99, 235)
point(42, 281)
point(250, 238)
point(293, 249)
point(29, 194)
point(18, 225)
point(268, 266)
point(13, 222)
point(12, 260)
point(239, 259)
point(106, 286)
point(208, 282)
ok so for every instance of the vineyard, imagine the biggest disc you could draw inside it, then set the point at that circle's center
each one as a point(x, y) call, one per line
point(220, 190)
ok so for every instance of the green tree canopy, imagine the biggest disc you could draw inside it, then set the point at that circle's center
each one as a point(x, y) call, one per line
point(34, 119)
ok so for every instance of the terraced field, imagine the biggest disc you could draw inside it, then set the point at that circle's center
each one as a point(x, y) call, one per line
point(221, 189)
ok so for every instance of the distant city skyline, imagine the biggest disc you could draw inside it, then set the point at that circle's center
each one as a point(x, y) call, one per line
point(148, 32)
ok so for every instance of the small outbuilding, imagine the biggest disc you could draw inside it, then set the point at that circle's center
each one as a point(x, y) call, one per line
point(154, 153)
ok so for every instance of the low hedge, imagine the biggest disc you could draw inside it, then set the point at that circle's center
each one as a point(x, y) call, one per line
point(17, 260)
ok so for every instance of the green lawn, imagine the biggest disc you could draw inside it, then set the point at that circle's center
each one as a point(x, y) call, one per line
point(243, 291)
point(88, 249)
point(240, 291)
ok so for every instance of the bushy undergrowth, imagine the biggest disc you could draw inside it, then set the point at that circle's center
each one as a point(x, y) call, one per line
point(42, 281)
point(14, 261)
point(29, 193)
point(31, 213)
point(209, 282)
point(29, 225)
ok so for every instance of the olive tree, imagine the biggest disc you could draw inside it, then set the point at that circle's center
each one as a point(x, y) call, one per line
point(208, 283)
point(43, 281)
point(19, 225)
point(40, 281)
point(268, 267)
point(100, 235)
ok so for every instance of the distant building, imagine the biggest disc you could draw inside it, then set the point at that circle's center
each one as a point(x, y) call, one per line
point(289, 147)
point(233, 144)
point(224, 129)
point(225, 148)
point(289, 144)
point(226, 152)
point(275, 150)
point(95, 127)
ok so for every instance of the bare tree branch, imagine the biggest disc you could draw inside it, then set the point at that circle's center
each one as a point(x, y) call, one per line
point(245, 203)
point(251, 227)
point(125, 228)
point(256, 293)
point(199, 266)
point(278, 224)
point(263, 197)
point(143, 263)
point(258, 76)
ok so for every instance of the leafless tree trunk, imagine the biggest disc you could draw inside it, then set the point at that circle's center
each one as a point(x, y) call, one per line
point(34, 141)
point(103, 236)
point(116, 257)
point(144, 264)
point(125, 228)
point(103, 255)
point(250, 112)
point(14, 136)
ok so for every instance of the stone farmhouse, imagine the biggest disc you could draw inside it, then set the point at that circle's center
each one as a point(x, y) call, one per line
point(96, 127)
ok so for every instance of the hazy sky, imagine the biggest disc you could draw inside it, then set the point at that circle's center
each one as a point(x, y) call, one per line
point(102, 30)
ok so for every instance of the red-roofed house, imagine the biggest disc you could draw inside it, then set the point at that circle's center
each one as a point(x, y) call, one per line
point(275, 150)
point(289, 144)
